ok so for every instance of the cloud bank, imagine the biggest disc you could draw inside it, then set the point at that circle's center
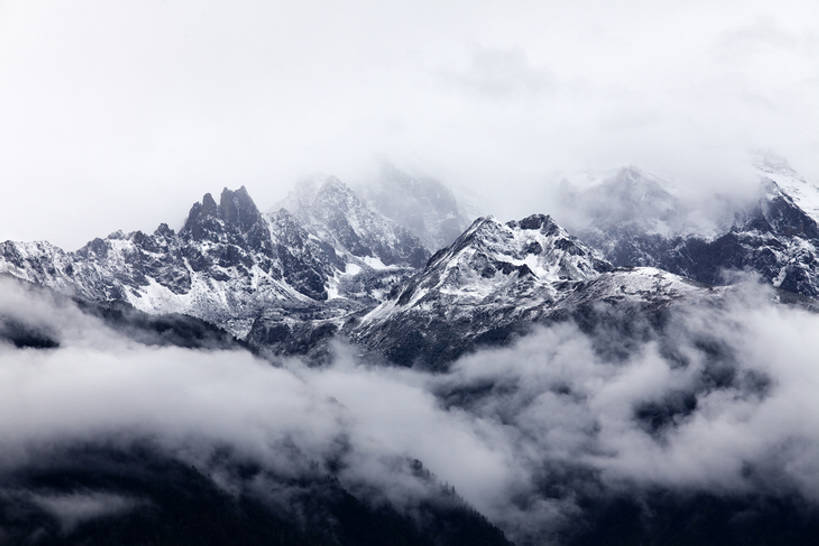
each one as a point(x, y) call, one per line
point(723, 403)
point(106, 107)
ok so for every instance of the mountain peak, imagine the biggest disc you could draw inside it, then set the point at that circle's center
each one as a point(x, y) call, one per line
point(335, 194)
point(318, 192)
point(493, 276)
point(637, 184)
point(209, 207)
point(776, 170)
point(163, 230)
point(630, 172)
point(332, 210)
point(333, 184)
point(629, 200)
point(492, 260)
point(235, 211)
point(541, 222)
point(237, 208)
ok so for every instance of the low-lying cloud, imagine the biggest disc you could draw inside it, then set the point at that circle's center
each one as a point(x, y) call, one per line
point(724, 402)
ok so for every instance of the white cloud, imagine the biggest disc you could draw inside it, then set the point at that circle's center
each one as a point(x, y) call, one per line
point(497, 427)
point(119, 116)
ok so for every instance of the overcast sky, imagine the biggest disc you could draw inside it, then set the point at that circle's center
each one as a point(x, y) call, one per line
point(121, 114)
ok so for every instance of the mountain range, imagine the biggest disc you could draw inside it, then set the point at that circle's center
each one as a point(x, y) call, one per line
point(332, 262)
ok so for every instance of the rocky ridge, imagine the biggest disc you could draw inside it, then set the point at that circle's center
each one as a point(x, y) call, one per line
point(774, 236)
point(225, 265)
point(326, 264)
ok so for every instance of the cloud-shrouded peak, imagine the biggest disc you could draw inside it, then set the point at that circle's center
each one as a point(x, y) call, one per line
point(804, 193)
point(333, 185)
point(335, 212)
point(629, 198)
point(424, 205)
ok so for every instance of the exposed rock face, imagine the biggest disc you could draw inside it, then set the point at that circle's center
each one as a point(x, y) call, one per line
point(307, 262)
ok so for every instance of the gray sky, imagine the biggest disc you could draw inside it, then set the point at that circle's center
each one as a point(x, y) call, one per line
point(121, 114)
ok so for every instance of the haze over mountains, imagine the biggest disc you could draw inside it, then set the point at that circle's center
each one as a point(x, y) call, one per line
point(369, 361)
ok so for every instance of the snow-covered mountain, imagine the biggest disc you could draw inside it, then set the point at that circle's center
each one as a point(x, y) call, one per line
point(774, 236)
point(229, 262)
point(804, 194)
point(495, 281)
point(326, 263)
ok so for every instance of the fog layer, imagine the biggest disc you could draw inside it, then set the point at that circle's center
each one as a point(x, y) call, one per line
point(120, 115)
point(724, 402)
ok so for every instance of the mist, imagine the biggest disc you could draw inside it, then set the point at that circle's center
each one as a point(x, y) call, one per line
point(722, 403)
point(120, 116)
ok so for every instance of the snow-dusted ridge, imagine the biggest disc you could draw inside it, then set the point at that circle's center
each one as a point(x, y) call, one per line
point(226, 265)
point(635, 220)
point(498, 279)
point(326, 263)
point(492, 260)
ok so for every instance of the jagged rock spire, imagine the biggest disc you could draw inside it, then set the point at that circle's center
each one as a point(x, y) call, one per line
point(236, 209)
